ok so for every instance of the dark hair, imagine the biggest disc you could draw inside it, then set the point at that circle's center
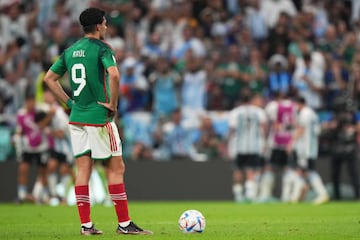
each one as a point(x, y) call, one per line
point(39, 116)
point(300, 99)
point(245, 97)
point(307, 57)
point(90, 17)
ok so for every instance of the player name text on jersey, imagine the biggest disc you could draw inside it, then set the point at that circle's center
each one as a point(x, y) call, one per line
point(78, 53)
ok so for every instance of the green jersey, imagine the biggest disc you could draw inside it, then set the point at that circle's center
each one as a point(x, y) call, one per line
point(86, 62)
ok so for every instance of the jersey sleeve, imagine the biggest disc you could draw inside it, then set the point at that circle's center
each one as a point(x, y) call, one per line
point(232, 119)
point(108, 58)
point(59, 67)
point(262, 116)
point(303, 118)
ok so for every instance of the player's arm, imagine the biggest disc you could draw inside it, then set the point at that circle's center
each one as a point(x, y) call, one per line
point(114, 82)
point(298, 133)
point(51, 79)
point(114, 79)
point(109, 62)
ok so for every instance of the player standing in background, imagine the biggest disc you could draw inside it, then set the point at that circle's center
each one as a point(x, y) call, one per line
point(305, 142)
point(31, 146)
point(61, 153)
point(282, 114)
point(94, 80)
point(247, 126)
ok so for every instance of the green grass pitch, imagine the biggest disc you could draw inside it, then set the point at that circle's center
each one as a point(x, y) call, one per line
point(224, 220)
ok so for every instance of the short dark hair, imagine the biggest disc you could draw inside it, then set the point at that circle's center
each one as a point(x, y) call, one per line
point(90, 17)
point(300, 99)
point(245, 97)
point(307, 57)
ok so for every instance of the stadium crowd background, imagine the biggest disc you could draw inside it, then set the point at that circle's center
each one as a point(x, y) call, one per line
point(207, 53)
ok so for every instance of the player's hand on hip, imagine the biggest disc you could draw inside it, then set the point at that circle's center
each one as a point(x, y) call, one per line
point(109, 106)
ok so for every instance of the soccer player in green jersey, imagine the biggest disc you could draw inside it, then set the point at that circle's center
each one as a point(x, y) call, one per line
point(94, 79)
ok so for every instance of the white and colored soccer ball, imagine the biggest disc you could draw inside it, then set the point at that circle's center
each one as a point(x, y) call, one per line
point(192, 221)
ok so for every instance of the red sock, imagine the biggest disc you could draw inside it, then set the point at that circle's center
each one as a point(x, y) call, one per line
point(83, 203)
point(119, 198)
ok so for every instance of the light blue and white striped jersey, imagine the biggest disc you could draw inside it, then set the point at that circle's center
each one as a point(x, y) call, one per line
point(307, 144)
point(247, 122)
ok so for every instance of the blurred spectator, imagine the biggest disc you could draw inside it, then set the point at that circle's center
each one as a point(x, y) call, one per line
point(347, 49)
point(16, 22)
point(15, 64)
point(256, 72)
point(308, 81)
point(165, 89)
point(58, 44)
point(279, 79)
point(219, 37)
point(209, 142)
point(74, 33)
point(330, 44)
point(118, 11)
point(279, 35)
point(14, 73)
point(74, 8)
point(277, 7)
point(34, 65)
point(138, 132)
point(193, 91)
point(256, 22)
point(320, 17)
point(133, 88)
point(336, 83)
point(46, 10)
point(152, 48)
point(178, 139)
point(61, 15)
point(185, 43)
point(230, 76)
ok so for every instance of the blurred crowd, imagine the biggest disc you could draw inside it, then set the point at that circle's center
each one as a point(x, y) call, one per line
point(185, 63)
point(192, 56)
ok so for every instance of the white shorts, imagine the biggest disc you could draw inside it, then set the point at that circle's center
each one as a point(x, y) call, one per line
point(101, 142)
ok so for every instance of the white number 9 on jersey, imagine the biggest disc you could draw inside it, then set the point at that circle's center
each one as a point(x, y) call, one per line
point(81, 80)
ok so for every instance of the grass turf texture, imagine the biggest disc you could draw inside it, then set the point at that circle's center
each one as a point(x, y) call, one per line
point(224, 220)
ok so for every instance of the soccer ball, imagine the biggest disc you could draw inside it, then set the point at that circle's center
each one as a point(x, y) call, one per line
point(192, 221)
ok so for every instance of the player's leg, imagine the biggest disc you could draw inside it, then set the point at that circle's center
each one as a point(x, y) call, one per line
point(23, 173)
point(353, 174)
point(251, 186)
point(317, 184)
point(66, 176)
point(238, 179)
point(336, 163)
point(81, 149)
point(299, 186)
point(267, 180)
point(266, 185)
point(84, 166)
point(301, 165)
point(43, 178)
point(289, 175)
point(115, 176)
point(52, 173)
point(106, 142)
